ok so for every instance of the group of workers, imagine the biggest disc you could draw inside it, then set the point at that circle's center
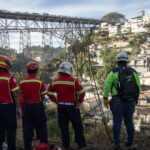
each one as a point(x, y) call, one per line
point(29, 95)
point(67, 92)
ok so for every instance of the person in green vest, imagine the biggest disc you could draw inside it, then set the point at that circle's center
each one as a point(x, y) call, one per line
point(123, 84)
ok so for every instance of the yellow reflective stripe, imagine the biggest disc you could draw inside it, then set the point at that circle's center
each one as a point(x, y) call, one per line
point(44, 92)
point(15, 89)
point(51, 93)
point(4, 78)
point(82, 91)
point(26, 81)
point(3, 63)
point(63, 82)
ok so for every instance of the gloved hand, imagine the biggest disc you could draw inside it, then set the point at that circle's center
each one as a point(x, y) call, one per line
point(78, 105)
point(106, 103)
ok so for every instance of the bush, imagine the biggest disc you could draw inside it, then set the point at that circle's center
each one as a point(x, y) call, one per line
point(53, 130)
point(50, 114)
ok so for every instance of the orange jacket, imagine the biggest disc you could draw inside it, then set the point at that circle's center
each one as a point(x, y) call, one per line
point(66, 89)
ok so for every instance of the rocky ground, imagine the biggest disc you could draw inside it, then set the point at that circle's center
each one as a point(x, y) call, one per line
point(101, 142)
point(97, 139)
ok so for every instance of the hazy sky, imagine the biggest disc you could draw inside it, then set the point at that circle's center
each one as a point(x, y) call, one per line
point(78, 8)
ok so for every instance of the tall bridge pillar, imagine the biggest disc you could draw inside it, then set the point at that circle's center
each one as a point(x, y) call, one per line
point(4, 40)
point(47, 39)
point(25, 43)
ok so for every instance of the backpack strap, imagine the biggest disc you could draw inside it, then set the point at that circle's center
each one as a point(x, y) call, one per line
point(114, 70)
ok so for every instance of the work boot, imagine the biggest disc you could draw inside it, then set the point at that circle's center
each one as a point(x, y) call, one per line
point(130, 146)
point(83, 147)
point(5, 146)
point(117, 147)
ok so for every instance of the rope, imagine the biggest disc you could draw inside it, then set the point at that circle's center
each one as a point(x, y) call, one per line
point(86, 54)
point(100, 102)
point(99, 106)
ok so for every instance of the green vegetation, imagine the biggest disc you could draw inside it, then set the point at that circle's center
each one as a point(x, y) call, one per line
point(114, 17)
point(109, 60)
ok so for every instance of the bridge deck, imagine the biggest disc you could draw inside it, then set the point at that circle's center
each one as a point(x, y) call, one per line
point(46, 17)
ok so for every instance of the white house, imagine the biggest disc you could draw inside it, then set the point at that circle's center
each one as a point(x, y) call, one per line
point(114, 30)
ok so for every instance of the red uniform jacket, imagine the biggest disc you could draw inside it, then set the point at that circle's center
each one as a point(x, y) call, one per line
point(66, 89)
point(32, 89)
point(8, 85)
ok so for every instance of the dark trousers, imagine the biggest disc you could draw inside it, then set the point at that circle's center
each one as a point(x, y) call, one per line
point(122, 110)
point(4, 132)
point(8, 123)
point(66, 114)
point(34, 114)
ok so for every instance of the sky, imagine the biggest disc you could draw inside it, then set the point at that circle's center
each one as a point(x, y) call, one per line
point(78, 8)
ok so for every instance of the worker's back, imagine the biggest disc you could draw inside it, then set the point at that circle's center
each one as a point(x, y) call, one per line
point(64, 86)
point(31, 88)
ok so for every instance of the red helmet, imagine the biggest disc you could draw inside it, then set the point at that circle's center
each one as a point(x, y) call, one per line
point(32, 65)
point(42, 146)
point(45, 146)
point(5, 62)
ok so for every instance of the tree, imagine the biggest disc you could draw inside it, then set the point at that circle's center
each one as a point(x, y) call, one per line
point(109, 60)
point(114, 17)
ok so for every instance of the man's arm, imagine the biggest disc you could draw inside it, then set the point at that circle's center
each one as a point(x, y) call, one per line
point(79, 91)
point(51, 93)
point(18, 98)
point(137, 78)
point(108, 85)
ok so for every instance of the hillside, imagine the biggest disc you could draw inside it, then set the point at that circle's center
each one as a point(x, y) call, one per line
point(98, 140)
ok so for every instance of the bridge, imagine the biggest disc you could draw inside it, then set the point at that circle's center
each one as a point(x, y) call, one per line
point(50, 26)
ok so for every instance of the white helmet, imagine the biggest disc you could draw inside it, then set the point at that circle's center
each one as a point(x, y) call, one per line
point(66, 67)
point(122, 56)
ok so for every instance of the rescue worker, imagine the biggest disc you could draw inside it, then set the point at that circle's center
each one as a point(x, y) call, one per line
point(8, 100)
point(122, 106)
point(34, 113)
point(70, 95)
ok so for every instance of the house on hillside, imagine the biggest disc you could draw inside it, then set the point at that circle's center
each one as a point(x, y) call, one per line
point(104, 26)
point(141, 63)
point(145, 79)
point(126, 28)
point(114, 29)
point(138, 23)
point(143, 113)
point(134, 25)
point(94, 50)
point(143, 107)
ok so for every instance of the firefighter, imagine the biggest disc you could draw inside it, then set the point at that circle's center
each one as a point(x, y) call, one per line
point(8, 100)
point(70, 95)
point(34, 113)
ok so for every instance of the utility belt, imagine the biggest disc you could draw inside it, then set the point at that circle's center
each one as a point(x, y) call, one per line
point(68, 104)
point(6, 103)
point(33, 103)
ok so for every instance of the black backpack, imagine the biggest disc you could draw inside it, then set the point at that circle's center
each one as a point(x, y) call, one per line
point(127, 87)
